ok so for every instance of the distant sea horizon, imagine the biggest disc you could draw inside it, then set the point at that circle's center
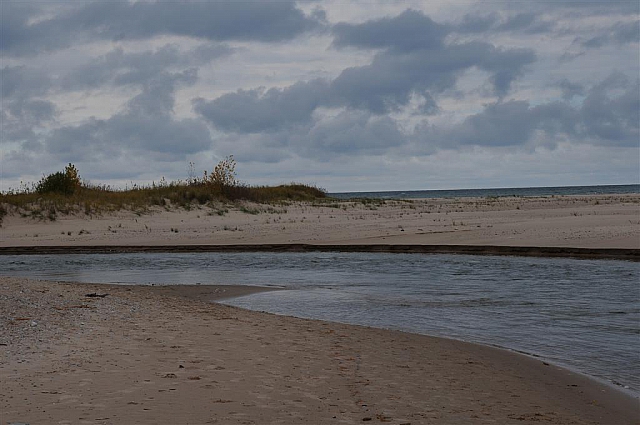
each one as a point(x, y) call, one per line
point(617, 189)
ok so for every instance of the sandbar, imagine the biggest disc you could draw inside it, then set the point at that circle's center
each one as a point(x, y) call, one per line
point(148, 354)
point(592, 222)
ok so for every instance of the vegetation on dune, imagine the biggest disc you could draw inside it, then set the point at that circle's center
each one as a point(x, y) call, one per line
point(65, 193)
point(64, 183)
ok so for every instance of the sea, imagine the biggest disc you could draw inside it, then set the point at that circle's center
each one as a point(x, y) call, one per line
point(495, 192)
point(576, 313)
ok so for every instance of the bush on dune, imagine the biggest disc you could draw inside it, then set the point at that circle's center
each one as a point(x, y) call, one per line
point(64, 183)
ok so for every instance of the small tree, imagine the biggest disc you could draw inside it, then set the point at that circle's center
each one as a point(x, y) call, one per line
point(71, 172)
point(223, 175)
point(64, 183)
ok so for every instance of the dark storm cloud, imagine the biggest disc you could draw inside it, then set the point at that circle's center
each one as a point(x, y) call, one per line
point(122, 20)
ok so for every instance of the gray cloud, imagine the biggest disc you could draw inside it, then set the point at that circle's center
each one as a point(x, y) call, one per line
point(508, 123)
point(569, 89)
point(23, 110)
point(351, 132)
point(146, 124)
point(123, 20)
point(408, 31)
point(526, 22)
point(592, 6)
point(607, 116)
point(612, 119)
point(408, 65)
point(383, 86)
point(22, 81)
point(618, 34)
point(20, 120)
point(513, 123)
point(120, 68)
point(249, 111)
point(419, 65)
point(476, 23)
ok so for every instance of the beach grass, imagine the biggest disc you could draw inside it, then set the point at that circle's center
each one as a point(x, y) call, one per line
point(65, 193)
point(98, 200)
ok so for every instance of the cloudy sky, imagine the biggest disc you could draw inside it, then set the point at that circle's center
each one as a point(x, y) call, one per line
point(359, 95)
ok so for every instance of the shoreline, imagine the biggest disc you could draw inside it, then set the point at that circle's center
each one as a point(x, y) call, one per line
point(219, 293)
point(635, 394)
point(630, 254)
point(269, 367)
point(602, 381)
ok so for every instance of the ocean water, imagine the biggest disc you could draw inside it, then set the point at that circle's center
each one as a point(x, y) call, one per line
point(484, 193)
point(582, 314)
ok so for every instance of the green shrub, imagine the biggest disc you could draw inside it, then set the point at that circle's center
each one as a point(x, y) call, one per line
point(65, 183)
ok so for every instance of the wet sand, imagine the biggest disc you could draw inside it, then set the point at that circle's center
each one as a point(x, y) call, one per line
point(629, 254)
point(145, 354)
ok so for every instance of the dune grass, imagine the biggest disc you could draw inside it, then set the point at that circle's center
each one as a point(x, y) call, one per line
point(96, 200)
point(64, 193)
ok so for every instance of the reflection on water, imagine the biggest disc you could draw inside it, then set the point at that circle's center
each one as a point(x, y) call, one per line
point(580, 313)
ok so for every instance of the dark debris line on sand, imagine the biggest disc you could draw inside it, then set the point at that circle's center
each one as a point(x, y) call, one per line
point(592, 253)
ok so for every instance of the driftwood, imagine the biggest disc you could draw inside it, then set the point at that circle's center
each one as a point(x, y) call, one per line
point(96, 295)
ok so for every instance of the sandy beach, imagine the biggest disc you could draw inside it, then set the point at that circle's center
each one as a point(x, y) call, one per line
point(141, 355)
point(166, 355)
point(596, 221)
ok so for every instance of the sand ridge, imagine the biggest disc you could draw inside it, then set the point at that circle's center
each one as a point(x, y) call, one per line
point(141, 355)
point(595, 221)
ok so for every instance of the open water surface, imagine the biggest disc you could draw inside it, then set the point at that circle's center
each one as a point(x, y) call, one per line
point(496, 192)
point(583, 314)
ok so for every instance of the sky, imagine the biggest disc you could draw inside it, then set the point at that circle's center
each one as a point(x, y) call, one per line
point(349, 96)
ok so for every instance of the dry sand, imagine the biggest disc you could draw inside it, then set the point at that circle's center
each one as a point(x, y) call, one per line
point(598, 221)
point(149, 355)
